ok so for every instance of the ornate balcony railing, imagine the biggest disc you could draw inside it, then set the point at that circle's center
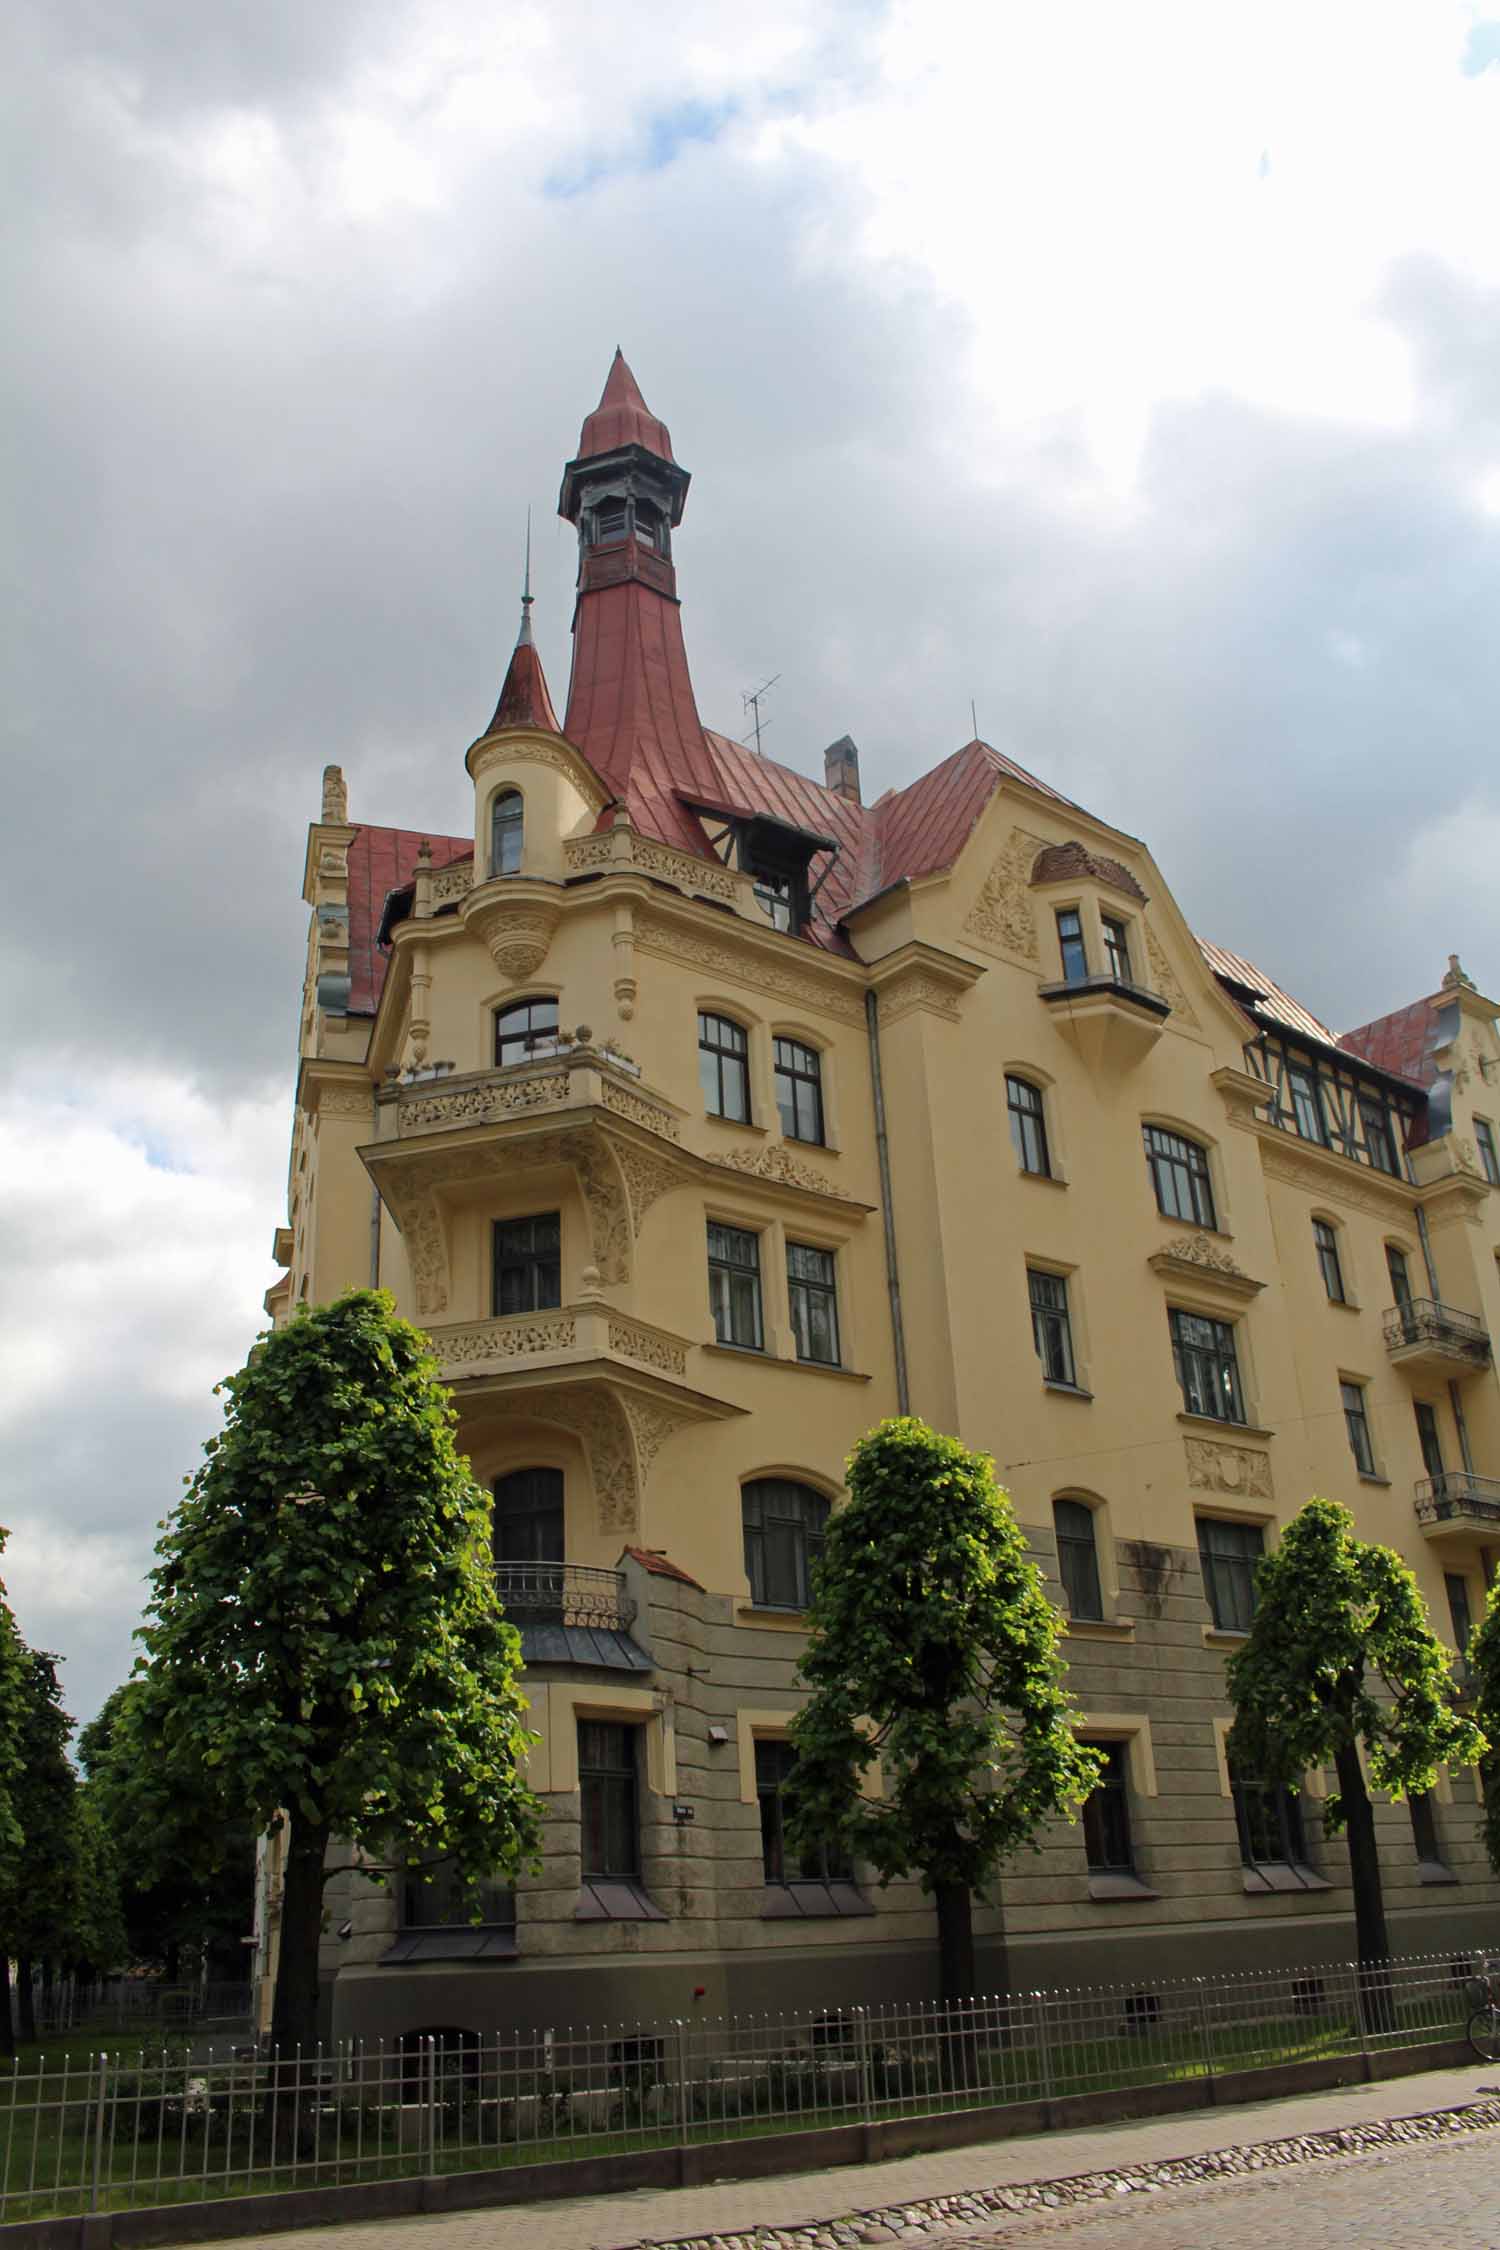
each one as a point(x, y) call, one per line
point(564, 1594)
point(1422, 1325)
point(1460, 1499)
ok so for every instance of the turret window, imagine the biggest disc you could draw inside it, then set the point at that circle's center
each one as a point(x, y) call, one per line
point(724, 1067)
point(507, 832)
point(1075, 960)
point(525, 1029)
point(528, 1263)
point(609, 523)
point(1116, 948)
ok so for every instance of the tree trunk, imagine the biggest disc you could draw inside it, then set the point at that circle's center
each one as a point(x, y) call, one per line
point(7, 2028)
point(294, 2015)
point(26, 1996)
point(1371, 1941)
point(955, 1919)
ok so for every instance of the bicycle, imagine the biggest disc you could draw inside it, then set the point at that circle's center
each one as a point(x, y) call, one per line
point(1483, 1994)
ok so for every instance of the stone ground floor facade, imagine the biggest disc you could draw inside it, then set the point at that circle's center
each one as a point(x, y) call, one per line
point(709, 1919)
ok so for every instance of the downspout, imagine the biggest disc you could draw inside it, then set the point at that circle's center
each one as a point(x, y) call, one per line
point(887, 1211)
point(1425, 1239)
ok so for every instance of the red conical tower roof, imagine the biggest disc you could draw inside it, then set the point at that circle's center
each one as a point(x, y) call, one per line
point(622, 417)
point(524, 701)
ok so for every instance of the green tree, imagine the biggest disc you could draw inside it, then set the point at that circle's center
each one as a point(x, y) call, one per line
point(95, 1938)
point(12, 1713)
point(36, 1895)
point(186, 1866)
point(1340, 1658)
point(1484, 1669)
point(324, 1641)
point(932, 1645)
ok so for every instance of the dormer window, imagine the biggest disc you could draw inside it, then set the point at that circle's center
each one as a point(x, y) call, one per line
point(1116, 948)
point(507, 832)
point(776, 893)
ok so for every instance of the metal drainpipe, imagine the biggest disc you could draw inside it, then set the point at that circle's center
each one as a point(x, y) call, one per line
point(1455, 1400)
point(374, 1238)
point(1426, 1241)
point(887, 1213)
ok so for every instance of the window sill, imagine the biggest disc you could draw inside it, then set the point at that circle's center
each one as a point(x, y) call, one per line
point(735, 1124)
point(480, 1941)
point(1068, 1390)
point(812, 1902)
point(1223, 1636)
point(1042, 1179)
point(778, 1620)
point(1214, 1422)
point(1194, 1226)
point(825, 1367)
point(824, 1148)
point(1369, 1477)
point(1100, 1628)
point(603, 1899)
point(1113, 1885)
point(739, 1351)
point(1344, 1304)
point(1433, 1871)
point(1281, 1875)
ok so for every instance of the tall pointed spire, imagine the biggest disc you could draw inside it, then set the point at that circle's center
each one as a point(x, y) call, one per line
point(524, 700)
point(622, 417)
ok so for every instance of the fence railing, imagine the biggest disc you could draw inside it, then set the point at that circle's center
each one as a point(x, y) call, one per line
point(109, 2131)
point(124, 2005)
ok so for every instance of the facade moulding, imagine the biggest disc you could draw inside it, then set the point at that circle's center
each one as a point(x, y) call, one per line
point(1322, 1171)
point(516, 746)
point(1196, 1258)
point(1240, 1472)
point(620, 851)
point(919, 976)
point(326, 1089)
point(728, 952)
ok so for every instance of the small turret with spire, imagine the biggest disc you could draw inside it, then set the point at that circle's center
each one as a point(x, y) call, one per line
point(524, 700)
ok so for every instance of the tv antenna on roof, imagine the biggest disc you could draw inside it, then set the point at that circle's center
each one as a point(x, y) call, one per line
point(750, 698)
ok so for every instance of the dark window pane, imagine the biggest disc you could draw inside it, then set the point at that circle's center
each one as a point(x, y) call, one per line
point(783, 1526)
point(1028, 1126)
point(1380, 1142)
point(1117, 948)
point(814, 1302)
point(1456, 1586)
point(524, 1029)
point(609, 523)
point(1207, 1369)
point(1078, 1558)
point(507, 823)
point(1429, 1438)
point(527, 1263)
point(734, 1286)
point(799, 1090)
point(1488, 1157)
point(1327, 1243)
point(1424, 1833)
point(436, 1898)
point(1051, 1330)
point(1396, 1267)
point(1228, 1553)
point(1307, 1104)
point(527, 1521)
point(1179, 1176)
point(773, 1764)
point(1269, 1820)
point(1106, 1815)
point(1075, 966)
point(723, 1068)
point(607, 1789)
point(1356, 1421)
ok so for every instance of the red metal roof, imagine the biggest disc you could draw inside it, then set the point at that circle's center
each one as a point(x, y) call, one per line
point(622, 417)
point(1399, 1041)
point(524, 701)
point(1273, 1002)
point(381, 860)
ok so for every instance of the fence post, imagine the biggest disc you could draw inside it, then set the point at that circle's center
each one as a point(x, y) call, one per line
point(1356, 1984)
point(1043, 2047)
point(866, 2076)
point(683, 2105)
point(1206, 2039)
point(99, 2109)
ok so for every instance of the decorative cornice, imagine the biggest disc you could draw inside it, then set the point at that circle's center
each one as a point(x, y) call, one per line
point(327, 1091)
point(620, 850)
point(775, 1162)
point(1324, 1172)
point(517, 925)
point(735, 956)
point(1195, 1257)
point(514, 748)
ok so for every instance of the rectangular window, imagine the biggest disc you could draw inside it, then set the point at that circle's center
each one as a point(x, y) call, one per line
point(437, 1898)
point(1075, 961)
point(1396, 1267)
point(1357, 1423)
point(1307, 1102)
point(1028, 1126)
point(1078, 1558)
point(1051, 1329)
point(1456, 1586)
point(799, 1090)
point(1424, 1833)
point(1484, 1135)
point(1179, 1175)
point(724, 1068)
point(1380, 1142)
point(1207, 1369)
point(608, 1787)
point(1269, 1819)
point(783, 1525)
point(1106, 1815)
point(1429, 1438)
point(1229, 1553)
point(1326, 1242)
point(527, 1263)
point(810, 1281)
point(1117, 949)
point(773, 1764)
point(734, 1286)
point(779, 896)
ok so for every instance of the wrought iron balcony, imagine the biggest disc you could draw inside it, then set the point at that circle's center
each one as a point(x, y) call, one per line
point(564, 1594)
point(1458, 1502)
point(1433, 1338)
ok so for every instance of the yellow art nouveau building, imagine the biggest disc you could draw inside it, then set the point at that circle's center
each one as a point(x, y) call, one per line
point(704, 1114)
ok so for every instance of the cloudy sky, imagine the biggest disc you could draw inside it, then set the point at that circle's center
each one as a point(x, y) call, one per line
point(1131, 369)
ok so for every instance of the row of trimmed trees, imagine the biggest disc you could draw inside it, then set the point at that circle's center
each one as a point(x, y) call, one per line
point(326, 1657)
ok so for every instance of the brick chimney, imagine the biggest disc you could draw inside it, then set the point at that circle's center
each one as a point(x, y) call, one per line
point(841, 768)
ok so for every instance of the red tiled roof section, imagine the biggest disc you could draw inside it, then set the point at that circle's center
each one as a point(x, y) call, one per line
point(382, 860)
point(650, 1558)
point(622, 417)
point(1060, 863)
point(1398, 1042)
point(524, 701)
point(1279, 1005)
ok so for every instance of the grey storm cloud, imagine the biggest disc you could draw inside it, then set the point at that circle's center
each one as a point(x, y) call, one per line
point(272, 459)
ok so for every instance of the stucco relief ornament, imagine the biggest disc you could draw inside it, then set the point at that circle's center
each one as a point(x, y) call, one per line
point(1197, 1250)
point(1002, 917)
point(1164, 978)
point(777, 1163)
point(517, 933)
point(1236, 1470)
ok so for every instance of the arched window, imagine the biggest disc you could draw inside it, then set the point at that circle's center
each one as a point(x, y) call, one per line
point(1180, 1176)
point(724, 1067)
point(784, 1525)
point(527, 1522)
point(1028, 1126)
point(799, 1090)
point(524, 1029)
point(507, 832)
point(1078, 1557)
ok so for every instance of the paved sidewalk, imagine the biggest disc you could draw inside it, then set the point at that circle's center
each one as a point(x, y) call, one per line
point(812, 2198)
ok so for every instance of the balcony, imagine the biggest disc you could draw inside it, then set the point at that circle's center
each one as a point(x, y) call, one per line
point(567, 1614)
point(1435, 1339)
point(1457, 1505)
point(1112, 1024)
